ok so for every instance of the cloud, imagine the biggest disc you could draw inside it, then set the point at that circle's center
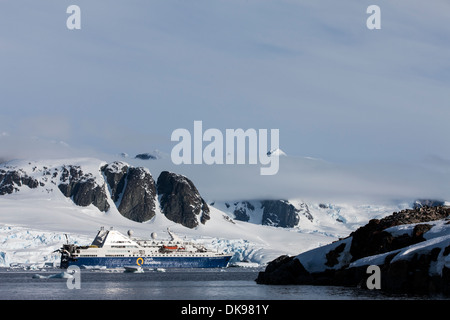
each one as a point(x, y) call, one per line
point(313, 180)
point(363, 100)
point(46, 126)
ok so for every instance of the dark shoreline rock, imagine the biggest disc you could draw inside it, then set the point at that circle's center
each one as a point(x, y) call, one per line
point(284, 270)
point(371, 239)
point(410, 275)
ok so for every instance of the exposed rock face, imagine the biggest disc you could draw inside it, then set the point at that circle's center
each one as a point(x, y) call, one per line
point(115, 174)
point(284, 270)
point(134, 193)
point(413, 275)
point(71, 181)
point(180, 200)
point(304, 210)
point(409, 263)
point(10, 180)
point(372, 239)
point(279, 213)
point(139, 196)
point(333, 255)
point(82, 188)
point(132, 189)
point(241, 213)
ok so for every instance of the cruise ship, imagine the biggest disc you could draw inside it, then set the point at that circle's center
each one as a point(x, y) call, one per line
point(112, 249)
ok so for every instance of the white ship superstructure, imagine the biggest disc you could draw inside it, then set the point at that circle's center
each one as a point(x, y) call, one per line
point(112, 249)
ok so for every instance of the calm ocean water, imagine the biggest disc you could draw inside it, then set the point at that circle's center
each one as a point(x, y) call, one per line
point(173, 284)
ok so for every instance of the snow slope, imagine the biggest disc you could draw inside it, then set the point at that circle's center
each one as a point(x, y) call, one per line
point(33, 222)
point(332, 220)
point(437, 237)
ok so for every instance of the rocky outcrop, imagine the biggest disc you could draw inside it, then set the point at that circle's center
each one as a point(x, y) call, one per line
point(284, 270)
point(410, 260)
point(276, 213)
point(242, 210)
point(11, 180)
point(134, 193)
point(372, 238)
point(132, 189)
point(139, 197)
point(279, 213)
point(82, 188)
point(419, 203)
point(115, 174)
point(180, 200)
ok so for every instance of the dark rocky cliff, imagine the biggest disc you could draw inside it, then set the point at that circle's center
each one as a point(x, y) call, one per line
point(132, 189)
point(82, 188)
point(279, 213)
point(11, 180)
point(180, 200)
point(276, 213)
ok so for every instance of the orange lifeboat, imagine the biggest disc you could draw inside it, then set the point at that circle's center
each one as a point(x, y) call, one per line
point(170, 247)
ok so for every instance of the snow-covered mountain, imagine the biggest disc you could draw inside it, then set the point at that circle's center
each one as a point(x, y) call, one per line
point(40, 201)
point(326, 218)
point(276, 152)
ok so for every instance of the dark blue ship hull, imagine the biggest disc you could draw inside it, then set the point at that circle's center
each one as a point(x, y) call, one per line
point(153, 262)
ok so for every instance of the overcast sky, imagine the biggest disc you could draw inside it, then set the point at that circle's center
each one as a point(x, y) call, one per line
point(137, 70)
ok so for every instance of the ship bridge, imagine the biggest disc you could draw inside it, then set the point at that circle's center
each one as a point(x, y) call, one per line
point(112, 238)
